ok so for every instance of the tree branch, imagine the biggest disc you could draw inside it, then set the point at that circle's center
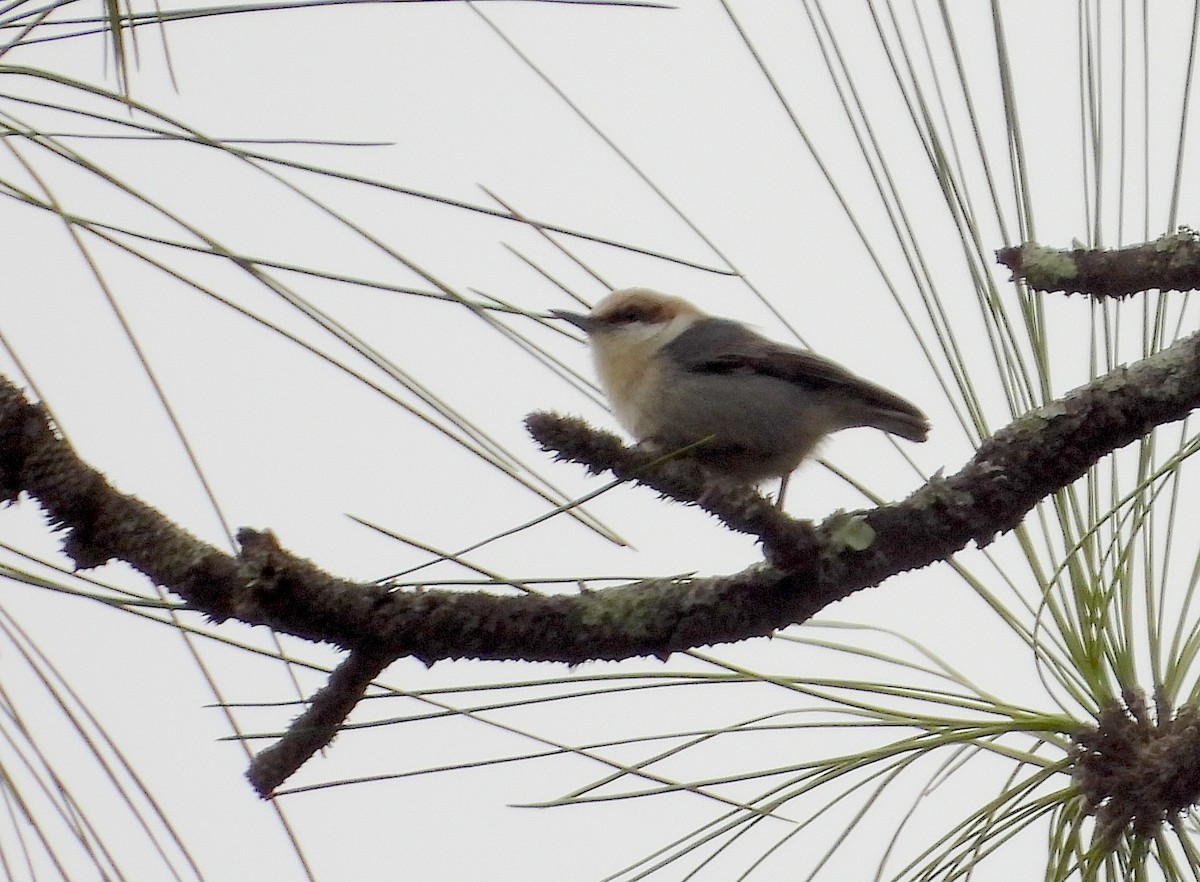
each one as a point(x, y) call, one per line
point(265, 585)
point(317, 726)
point(1169, 263)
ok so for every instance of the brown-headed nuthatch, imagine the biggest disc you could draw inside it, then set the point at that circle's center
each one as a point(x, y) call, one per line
point(745, 407)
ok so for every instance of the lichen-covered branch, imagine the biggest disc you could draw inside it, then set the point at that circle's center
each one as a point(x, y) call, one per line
point(740, 508)
point(1169, 263)
point(266, 585)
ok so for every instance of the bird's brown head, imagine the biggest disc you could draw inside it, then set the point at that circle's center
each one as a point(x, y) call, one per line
point(641, 310)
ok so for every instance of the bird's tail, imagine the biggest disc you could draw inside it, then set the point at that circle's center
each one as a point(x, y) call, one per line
point(908, 423)
point(882, 409)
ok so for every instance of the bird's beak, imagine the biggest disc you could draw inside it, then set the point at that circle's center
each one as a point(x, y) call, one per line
point(585, 323)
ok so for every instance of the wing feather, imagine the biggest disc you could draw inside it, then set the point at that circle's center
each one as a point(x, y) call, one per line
point(720, 346)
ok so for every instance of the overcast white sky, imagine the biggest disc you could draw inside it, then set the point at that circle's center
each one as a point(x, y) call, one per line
point(710, 171)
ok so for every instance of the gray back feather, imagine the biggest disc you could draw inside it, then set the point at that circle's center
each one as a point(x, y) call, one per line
point(720, 346)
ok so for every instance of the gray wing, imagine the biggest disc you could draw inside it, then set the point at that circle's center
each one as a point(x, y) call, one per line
point(720, 346)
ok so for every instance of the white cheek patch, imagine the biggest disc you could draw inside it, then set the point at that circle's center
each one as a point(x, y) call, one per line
point(639, 334)
point(672, 329)
point(627, 360)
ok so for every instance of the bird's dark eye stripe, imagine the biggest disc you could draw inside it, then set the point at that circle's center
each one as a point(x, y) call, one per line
point(629, 314)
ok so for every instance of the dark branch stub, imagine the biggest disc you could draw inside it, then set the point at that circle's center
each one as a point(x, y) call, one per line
point(314, 729)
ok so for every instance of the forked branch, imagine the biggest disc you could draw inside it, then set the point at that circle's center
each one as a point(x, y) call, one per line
point(806, 568)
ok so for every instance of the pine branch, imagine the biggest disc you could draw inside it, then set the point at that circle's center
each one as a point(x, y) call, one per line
point(1169, 263)
point(264, 584)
